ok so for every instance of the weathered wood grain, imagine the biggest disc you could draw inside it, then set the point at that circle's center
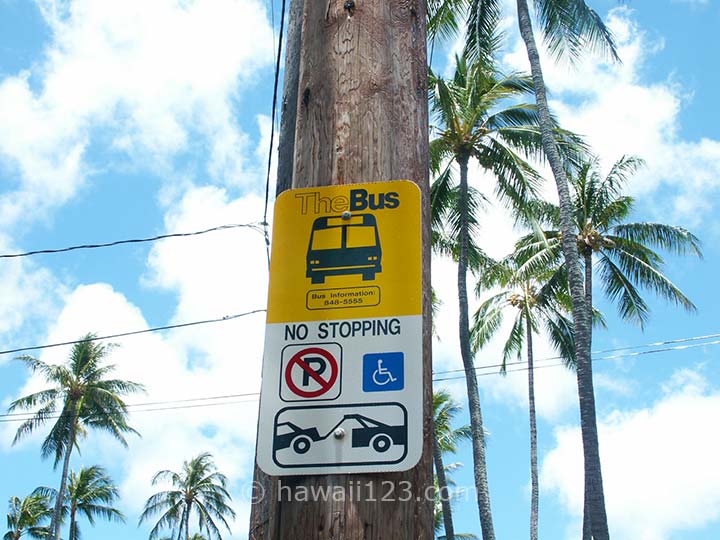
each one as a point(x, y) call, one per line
point(362, 117)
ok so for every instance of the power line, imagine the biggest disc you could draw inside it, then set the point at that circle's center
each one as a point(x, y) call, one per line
point(131, 406)
point(191, 403)
point(272, 130)
point(254, 226)
point(133, 333)
point(497, 372)
point(174, 408)
point(198, 405)
point(615, 357)
point(656, 344)
point(604, 351)
point(666, 349)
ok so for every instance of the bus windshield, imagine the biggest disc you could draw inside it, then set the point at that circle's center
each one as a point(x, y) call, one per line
point(344, 246)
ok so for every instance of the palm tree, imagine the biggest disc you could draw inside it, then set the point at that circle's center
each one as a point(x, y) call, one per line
point(474, 126)
point(199, 488)
point(439, 515)
point(446, 441)
point(625, 253)
point(80, 397)
point(90, 492)
point(25, 517)
point(569, 27)
point(539, 297)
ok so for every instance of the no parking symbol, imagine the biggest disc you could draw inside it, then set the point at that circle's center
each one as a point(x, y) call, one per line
point(311, 372)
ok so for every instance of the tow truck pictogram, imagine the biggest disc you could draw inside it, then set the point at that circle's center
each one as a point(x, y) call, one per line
point(371, 434)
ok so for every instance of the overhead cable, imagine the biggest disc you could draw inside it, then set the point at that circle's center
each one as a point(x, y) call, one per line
point(597, 354)
point(131, 406)
point(272, 132)
point(595, 359)
point(133, 333)
point(254, 226)
point(191, 403)
point(174, 408)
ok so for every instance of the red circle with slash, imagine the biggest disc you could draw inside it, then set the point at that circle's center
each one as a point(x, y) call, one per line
point(325, 384)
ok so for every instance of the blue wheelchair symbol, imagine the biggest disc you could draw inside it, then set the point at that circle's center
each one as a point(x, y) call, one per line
point(383, 372)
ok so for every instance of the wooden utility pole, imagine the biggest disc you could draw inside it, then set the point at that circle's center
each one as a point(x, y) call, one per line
point(361, 117)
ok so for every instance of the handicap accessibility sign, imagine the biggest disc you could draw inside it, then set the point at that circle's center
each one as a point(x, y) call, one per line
point(383, 372)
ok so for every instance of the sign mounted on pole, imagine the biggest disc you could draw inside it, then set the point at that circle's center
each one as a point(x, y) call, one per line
point(342, 370)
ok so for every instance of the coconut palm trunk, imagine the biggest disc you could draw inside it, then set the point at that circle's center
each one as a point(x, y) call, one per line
point(587, 524)
point(476, 422)
point(188, 508)
point(534, 484)
point(595, 498)
point(57, 512)
point(444, 493)
point(72, 535)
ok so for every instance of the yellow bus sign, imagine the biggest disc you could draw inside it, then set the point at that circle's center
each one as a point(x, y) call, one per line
point(351, 250)
point(342, 369)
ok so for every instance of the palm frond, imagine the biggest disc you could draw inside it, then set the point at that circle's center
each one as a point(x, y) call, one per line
point(514, 343)
point(487, 320)
point(642, 266)
point(612, 212)
point(622, 170)
point(483, 36)
point(571, 28)
point(620, 289)
point(495, 273)
point(671, 238)
point(517, 181)
point(444, 18)
point(560, 330)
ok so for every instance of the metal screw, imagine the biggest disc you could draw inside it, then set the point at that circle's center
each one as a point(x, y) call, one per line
point(346, 215)
point(350, 6)
point(339, 433)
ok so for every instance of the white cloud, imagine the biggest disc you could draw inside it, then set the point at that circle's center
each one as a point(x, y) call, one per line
point(213, 275)
point(29, 293)
point(555, 388)
point(41, 146)
point(658, 464)
point(164, 77)
point(219, 273)
point(219, 361)
point(621, 113)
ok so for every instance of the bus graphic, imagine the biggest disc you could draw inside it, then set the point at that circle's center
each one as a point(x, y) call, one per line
point(341, 246)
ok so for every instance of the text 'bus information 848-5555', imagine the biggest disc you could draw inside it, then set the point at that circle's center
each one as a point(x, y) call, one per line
point(342, 370)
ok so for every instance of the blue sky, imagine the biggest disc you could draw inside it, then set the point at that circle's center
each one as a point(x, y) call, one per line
point(121, 120)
